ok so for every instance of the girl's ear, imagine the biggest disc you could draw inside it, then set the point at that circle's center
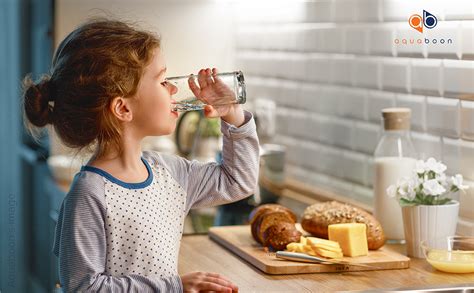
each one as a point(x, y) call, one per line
point(121, 109)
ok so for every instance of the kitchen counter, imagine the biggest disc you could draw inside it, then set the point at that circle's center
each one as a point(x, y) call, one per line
point(199, 253)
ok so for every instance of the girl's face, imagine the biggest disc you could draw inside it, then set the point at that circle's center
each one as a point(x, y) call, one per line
point(152, 114)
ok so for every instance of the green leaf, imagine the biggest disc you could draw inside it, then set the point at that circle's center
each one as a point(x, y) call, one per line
point(406, 202)
point(443, 201)
point(431, 175)
point(418, 198)
point(433, 199)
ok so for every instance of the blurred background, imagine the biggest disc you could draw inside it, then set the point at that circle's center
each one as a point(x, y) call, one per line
point(317, 72)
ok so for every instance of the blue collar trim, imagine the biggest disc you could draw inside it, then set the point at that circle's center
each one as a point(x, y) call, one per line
point(111, 178)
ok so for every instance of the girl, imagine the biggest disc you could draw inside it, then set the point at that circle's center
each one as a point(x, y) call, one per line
point(121, 223)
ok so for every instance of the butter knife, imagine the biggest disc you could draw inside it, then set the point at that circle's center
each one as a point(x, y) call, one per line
point(302, 257)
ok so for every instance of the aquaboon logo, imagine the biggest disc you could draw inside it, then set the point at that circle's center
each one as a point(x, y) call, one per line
point(418, 22)
point(428, 21)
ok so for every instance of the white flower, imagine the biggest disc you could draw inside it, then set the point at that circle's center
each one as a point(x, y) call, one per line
point(428, 184)
point(392, 191)
point(433, 165)
point(420, 167)
point(442, 179)
point(457, 181)
point(432, 187)
point(417, 180)
point(406, 188)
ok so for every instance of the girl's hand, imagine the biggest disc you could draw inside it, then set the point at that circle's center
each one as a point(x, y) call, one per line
point(212, 91)
point(201, 281)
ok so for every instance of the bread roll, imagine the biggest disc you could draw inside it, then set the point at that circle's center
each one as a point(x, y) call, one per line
point(260, 210)
point(269, 207)
point(317, 217)
point(281, 234)
point(269, 219)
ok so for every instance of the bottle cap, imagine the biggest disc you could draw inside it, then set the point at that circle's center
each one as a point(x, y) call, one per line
point(396, 118)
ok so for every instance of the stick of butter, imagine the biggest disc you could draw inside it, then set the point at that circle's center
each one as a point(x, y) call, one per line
point(352, 237)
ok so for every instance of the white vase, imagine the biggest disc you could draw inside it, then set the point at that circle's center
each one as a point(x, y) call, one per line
point(424, 222)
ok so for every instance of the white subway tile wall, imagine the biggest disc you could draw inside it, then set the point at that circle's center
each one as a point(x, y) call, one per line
point(427, 145)
point(426, 76)
point(467, 120)
point(458, 78)
point(357, 39)
point(465, 227)
point(451, 154)
point(352, 103)
point(443, 116)
point(458, 10)
point(366, 72)
point(466, 152)
point(396, 74)
point(417, 104)
point(408, 37)
point(377, 101)
point(466, 210)
point(467, 37)
point(332, 65)
point(444, 31)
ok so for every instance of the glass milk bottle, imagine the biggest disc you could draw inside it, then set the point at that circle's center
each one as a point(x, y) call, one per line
point(395, 157)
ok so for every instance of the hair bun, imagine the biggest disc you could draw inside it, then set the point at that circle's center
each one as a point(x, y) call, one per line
point(36, 101)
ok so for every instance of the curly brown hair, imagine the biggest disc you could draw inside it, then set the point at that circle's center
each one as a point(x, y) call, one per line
point(98, 61)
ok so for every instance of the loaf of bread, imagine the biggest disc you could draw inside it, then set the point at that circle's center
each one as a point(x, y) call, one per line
point(269, 207)
point(265, 208)
point(269, 219)
point(278, 236)
point(273, 225)
point(317, 217)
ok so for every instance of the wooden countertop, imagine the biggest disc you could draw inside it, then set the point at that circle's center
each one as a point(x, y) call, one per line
point(199, 253)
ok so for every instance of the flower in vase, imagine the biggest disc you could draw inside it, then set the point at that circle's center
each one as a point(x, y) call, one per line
point(433, 187)
point(457, 182)
point(428, 185)
point(437, 167)
point(407, 188)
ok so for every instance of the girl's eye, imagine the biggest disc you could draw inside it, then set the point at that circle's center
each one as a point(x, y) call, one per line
point(165, 83)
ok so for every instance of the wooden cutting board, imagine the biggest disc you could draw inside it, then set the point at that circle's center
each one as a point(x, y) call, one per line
point(238, 240)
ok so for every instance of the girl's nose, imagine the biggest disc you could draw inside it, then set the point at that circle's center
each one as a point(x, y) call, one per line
point(173, 89)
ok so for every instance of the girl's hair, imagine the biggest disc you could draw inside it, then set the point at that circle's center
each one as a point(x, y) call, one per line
point(98, 61)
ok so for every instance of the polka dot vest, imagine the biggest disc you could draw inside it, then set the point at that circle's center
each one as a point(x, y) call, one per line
point(140, 226)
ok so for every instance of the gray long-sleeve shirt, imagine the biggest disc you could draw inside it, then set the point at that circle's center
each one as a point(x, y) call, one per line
point(114, 236)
